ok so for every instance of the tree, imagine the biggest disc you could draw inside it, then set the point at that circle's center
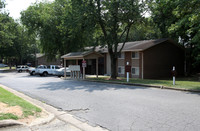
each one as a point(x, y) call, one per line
point(114, 18)
point(188, 28)
point(163, 17)
point(15, 43)
point(6, 36)
point(145, 30)
point(59, 29)
point(180, 20)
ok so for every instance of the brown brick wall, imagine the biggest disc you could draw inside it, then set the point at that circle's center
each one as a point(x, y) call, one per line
point(159, 60)
point(135, 76)
point(136, 62)
point(120, 62)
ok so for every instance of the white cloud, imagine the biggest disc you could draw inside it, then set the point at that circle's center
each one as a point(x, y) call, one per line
point(14, 7)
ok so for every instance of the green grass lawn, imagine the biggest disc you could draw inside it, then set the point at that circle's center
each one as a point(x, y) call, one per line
point(13, 100)
point(186, 83)
point(7, 68)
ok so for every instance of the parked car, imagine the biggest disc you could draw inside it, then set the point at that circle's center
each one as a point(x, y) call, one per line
point(3, 65)
point(31, 70)
point(60, 72)
point(28, 64)
point(44, 70)
point(21, 68)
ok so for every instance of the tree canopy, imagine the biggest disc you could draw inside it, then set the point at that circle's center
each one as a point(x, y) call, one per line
point(59, 28)
point(65, 26)
point(179, 20)
point(113, 19)
point(15, 43)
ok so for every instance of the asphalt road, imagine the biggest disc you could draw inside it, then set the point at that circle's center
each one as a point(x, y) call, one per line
point(115, 107)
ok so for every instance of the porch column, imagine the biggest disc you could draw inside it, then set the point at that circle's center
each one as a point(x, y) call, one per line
point(97, 63)
point(65, 68)
point(76, 72)
point(142, 66)
point(83, 70)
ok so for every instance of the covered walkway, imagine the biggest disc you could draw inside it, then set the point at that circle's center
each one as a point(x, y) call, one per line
point(83, 56)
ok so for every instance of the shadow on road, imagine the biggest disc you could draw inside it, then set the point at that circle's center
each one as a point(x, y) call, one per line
point(195, 93)
point(84, 85)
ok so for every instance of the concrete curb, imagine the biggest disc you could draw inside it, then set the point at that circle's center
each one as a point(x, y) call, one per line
point(41, 121)
point(6, 123)
point(56, 113)
point(145, 85)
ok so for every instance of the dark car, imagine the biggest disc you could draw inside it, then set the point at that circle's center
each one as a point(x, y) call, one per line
point(3, 65)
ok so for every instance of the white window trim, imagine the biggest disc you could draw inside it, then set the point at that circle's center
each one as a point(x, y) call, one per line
point(138, 71)
point(136, 58)
point(121, 70)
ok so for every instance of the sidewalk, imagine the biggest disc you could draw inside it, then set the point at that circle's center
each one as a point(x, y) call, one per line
point(56, 121)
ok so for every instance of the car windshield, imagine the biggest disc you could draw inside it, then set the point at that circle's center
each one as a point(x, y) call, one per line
point(41, 67)
point(56, 67)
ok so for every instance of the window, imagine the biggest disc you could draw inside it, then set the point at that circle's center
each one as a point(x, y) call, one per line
point(135, 55)
point(120, 70)
point(121, 55)
point(135, 70)
point(57, 67)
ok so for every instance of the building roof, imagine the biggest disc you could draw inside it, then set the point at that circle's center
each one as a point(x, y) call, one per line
point(137, 45)
point(79, 55)
point(38, 55)
point(129, 46)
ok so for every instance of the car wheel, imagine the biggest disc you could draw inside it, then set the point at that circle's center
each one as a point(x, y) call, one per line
point(32, 73)
point(45, 74)
point(20, 71)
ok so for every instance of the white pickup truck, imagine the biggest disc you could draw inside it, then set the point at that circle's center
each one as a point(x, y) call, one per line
point(44, 70)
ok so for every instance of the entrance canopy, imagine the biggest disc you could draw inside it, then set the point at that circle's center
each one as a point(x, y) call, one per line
point(82, 56)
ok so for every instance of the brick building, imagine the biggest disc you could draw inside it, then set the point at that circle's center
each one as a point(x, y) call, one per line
point(148, 59)
point(41, 59)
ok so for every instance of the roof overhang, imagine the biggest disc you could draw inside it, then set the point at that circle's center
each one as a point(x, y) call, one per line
point(82, 55)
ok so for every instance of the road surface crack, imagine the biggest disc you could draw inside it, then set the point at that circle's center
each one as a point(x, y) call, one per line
point(78, 110)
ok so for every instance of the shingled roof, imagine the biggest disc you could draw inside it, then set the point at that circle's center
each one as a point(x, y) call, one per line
point(137, 45)
point(129, 46)
point(75, 54)
point(79, 54)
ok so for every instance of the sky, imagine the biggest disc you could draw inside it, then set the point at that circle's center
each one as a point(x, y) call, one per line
point(14, 7)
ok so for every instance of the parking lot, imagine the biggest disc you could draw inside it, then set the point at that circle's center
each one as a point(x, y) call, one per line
point(115, 107)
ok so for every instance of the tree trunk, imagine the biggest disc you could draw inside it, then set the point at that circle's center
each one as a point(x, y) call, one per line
point(113, 66)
